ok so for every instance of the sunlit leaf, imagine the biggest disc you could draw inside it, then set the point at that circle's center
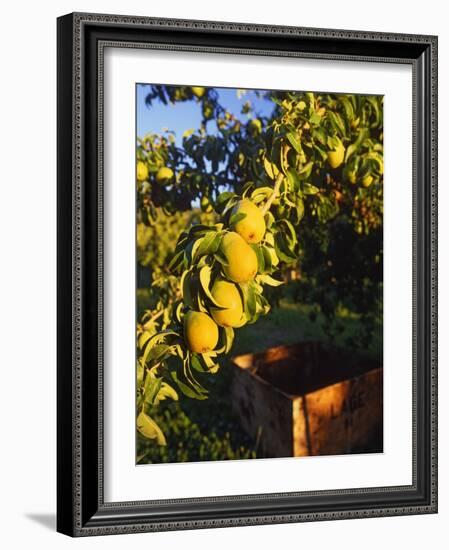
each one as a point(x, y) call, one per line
point(187, 390)
point(266, 279)
point(149, 429)
point(260, 257)
point(205, 279)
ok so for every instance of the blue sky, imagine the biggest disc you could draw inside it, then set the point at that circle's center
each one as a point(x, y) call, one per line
point(185, 115)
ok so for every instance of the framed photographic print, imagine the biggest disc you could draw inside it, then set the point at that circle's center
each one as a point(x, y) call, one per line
point(247, 274)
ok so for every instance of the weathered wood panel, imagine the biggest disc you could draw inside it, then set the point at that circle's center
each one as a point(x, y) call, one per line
point(339, 419)
point(265, 414)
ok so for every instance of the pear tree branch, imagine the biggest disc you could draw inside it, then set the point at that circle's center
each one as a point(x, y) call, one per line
point(273, 195)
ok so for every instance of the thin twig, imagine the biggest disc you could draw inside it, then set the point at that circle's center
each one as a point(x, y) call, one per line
point(273, 195)
point(155, 316)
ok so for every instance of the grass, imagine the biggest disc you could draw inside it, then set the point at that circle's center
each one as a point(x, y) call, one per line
point(292, 322)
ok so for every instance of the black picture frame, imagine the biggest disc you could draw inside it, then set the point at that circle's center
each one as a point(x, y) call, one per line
point(81, 509)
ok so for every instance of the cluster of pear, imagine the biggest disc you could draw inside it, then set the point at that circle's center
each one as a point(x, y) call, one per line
point(164, 175)
point(335, 159)
point(201, 329)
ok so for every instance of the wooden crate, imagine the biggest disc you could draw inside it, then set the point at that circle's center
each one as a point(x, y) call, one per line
point(309, 399)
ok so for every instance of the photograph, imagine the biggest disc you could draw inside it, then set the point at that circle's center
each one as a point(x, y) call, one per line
point(259, 273)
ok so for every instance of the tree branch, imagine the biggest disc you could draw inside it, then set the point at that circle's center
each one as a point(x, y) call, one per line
point(273, 195)
point(155, 316)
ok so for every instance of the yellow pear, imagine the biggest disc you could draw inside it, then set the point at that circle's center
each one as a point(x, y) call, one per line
point(198, 91)
point(255, 126)
point(335, 158)
point(241, 258)
point(252, 226)
point(142, 171)
point(205, 204)
point(200, 332)
point(350, 174)
point(228, 296)
point(367, 180)
point(164, 174)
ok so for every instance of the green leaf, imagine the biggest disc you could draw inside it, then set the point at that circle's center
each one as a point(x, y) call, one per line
point(333, 142)
point(249, 299)
point(141, 457)
point(377, 161)
point(375, 106)
point(293, 179)
point(261, 193)
point(205, 279)
point(176, 261)
point(315, 119)
point(282, 249)
point(310, 189)
point(178, 312)
point(284, 158)
point(295, 142)
point(195, 248)
point(140, 371)
point(305, 172)
point(320, 135)
point(152, 386)
point(267, 258)
point(327, 209)
point(249, 185)
point(185, 288)
point(299, 209)
point(347, 106)
point(196, 363)
point(276, 154)
point(166, 391)
point(263, 303)
point(260, 258)
point(199, 228)
point(289, 230)
point(235, 218)
point(149, 429)
point(157, 353)
point(223, 199)
point(266, 279)
point(354, 147)
point(221, 258)
point(209, 244)
point(156, 339)
point(270, 168)
point(187, 390)
point(179, 351)
point(269, 219)
point(143, 339)
point(320, 151)
point(229, 332)
point(209, 364)
point(337, 122)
